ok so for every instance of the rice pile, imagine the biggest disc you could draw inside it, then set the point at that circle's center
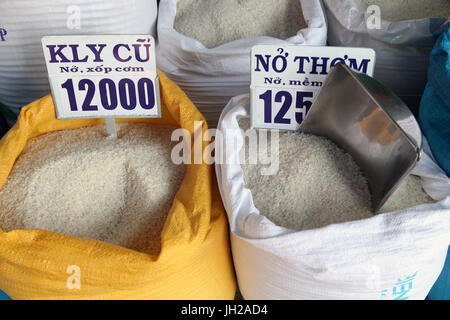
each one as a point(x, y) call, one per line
point(84, 184)
point(317, 184)
point(399, 10)
point(215, 22)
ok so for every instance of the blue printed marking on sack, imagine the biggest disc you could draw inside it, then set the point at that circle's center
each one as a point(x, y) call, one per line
point(3, 34)
point(400, 289)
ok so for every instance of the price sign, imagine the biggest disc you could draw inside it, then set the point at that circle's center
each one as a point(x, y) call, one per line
point(103, 76)
point(285, 80)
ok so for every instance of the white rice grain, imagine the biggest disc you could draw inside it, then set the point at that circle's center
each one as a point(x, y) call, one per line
point(318, 184)
point(84, 184)
point(215, 22)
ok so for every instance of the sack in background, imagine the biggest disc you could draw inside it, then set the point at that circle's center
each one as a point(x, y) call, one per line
point(402, 47)
point(434, 117)
point(210, 77)
point(23, 74)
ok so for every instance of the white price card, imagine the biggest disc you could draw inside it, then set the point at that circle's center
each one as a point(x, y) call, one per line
point(285, 80)
point(103, 76)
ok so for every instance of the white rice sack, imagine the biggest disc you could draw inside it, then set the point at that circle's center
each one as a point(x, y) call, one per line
point(402, 38)
point(23, 75)
point(339, 249)
point(209, 55)
point(84, 184)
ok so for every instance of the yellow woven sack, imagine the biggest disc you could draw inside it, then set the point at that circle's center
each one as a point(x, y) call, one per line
point(194, 262)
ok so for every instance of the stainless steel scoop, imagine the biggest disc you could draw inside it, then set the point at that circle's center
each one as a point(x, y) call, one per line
point(372, 124)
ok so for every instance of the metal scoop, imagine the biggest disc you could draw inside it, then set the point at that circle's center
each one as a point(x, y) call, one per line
point(373, 125)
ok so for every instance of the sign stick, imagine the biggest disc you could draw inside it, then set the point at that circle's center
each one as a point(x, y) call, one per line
point(111, 129)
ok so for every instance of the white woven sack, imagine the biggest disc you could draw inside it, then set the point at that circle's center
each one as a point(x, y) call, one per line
point(402, 47)
point(23, 75)
point(396, 255)
point(210, 77)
